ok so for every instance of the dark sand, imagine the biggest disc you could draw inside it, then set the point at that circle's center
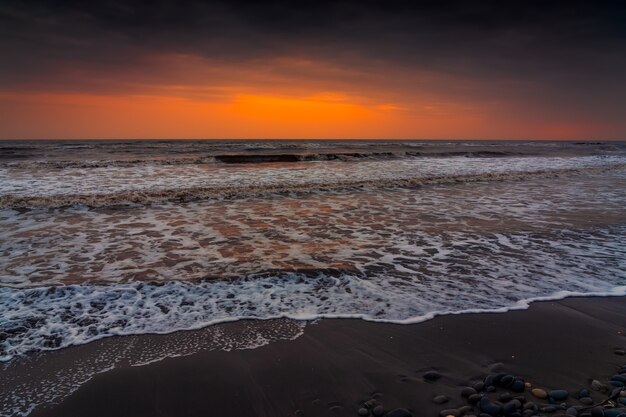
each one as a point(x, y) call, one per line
point(338, 364)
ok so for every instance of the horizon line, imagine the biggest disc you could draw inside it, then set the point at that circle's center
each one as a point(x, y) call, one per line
point(326, 139)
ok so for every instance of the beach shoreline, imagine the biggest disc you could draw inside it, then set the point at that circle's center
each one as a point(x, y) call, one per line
point(337, 365)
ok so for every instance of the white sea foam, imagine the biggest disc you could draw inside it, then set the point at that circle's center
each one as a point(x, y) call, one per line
point(440, 232)
point(115, 185)
point(47, 318)
point(50, 377)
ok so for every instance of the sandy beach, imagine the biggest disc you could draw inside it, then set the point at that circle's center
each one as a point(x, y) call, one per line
point(336, 366)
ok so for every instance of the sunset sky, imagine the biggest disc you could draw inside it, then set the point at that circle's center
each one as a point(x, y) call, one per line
point(313, 69)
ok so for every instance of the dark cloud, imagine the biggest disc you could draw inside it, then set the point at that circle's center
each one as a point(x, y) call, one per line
point(556, 52)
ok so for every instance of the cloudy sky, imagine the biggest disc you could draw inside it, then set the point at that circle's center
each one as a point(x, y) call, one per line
point(313, 69)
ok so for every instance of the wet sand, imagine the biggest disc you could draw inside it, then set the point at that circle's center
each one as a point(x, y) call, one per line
point(336, 365)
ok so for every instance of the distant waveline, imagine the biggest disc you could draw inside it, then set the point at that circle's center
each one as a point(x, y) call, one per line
point(109, 185)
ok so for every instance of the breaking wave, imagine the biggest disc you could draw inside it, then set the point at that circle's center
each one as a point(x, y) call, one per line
point(237, 190)
point(248, 158)
point(50, 318)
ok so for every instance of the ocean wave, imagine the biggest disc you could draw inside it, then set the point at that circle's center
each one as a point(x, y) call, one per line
point(51, 318)
point(248, 158)
point(103, 163)
point(145, 196)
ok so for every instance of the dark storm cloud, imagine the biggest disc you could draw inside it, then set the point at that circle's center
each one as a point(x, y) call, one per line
point(559, 50)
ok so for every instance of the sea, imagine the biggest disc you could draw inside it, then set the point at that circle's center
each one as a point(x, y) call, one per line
point(103, 241)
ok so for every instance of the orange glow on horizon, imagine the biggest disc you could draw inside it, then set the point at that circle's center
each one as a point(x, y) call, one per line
point(233, 114)
point(239, 116)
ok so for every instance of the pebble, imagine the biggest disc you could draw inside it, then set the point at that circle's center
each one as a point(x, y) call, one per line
point(510, 407)
point(496, 367)
point(548, 408)
point(479, 386)
point(506, 397)
point(489, 407)
point(531, 406)
point(431, 376)
point(598, 386)
point(474, 398)
point(507, 380)
point(440, 399)
point(378, 411)
point(620, 352)
point(399, 412)
point(571, 411)
point(517, 385)
point(491, 388)
point(617, 384)
point(363, 412)
point(586, 400)
point(583, 393)
point(528, 385)
point(451, 412)
point(465, 409)
point(558, 394)
point(488, 381)
point(467, 391)
point(615, 393)
point(597, 412)
point(618, 377)
point(539, 393)
point(614, 412)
